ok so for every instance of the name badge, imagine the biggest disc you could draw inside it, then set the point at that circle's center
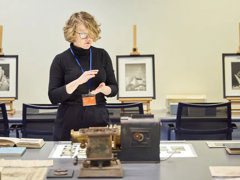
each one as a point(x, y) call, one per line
point(88, 99)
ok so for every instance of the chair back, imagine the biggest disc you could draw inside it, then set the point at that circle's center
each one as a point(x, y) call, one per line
point(38, 121)
point(4, 127)
point(204, 121)
point(116, 110)
point(133, 107)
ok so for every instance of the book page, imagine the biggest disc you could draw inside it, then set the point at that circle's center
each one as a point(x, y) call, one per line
point(7, 141)
point(30, 142)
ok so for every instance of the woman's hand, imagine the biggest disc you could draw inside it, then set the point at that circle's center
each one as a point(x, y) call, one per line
point(72, 86)
point(102, 88)
point(86, 76)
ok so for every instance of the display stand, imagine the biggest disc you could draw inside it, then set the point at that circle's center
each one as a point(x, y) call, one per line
point(1, 30)
point(239, 41)
point(8, 102)
point(134, 49)
point(235, 104)
point(145, 101)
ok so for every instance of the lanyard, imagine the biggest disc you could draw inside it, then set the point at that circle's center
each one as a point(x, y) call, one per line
point(90, 66)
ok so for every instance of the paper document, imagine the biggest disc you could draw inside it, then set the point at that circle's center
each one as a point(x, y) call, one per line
point(68, 151)
point(225, 171)
point(177, 150)
point(220, 144)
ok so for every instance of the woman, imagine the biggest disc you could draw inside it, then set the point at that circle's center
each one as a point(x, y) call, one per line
point(80, 78)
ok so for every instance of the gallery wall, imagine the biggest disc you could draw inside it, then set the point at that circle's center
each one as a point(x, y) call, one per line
point(187, 38)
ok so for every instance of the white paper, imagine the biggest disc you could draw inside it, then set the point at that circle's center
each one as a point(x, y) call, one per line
point(177, 150)
point(68, 151)
point(220, 144)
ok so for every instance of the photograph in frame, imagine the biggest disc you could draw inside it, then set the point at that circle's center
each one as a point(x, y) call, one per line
point(231, 75)
point(9, 76)
point(135, 76)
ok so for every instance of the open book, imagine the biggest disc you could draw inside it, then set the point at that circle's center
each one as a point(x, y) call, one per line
point(21, 142)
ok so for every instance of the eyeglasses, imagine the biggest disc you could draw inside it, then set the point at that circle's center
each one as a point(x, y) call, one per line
point(83, 35)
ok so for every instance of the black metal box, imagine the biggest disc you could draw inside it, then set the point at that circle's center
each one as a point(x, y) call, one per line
point(140, 139)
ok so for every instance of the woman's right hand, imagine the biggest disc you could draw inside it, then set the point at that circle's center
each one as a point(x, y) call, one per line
point(87, 75)
point(72, 86)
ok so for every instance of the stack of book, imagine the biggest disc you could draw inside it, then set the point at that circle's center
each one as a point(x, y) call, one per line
point(233, 148)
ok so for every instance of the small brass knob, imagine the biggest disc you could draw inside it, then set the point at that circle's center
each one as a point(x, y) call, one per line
point(83, 145)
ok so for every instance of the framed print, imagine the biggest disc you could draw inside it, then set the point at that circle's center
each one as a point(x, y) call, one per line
point(136, 76)
point(231, 75)
point(9, 76)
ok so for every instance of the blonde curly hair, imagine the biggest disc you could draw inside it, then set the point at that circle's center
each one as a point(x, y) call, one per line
point(87, 20)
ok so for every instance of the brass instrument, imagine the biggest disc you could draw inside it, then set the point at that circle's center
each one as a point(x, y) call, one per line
point(136, 140)
point(81, 137)
point(100, 161)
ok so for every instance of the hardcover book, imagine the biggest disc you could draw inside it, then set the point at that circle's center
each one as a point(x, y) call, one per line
point(233, 148)
point(21, 142)
point(12, 151)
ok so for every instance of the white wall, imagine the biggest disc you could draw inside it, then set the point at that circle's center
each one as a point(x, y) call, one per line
point(187, 37)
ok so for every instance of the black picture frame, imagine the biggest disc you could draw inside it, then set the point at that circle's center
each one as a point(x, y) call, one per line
point(231, 71)
point(136, 76)
point(9, 76)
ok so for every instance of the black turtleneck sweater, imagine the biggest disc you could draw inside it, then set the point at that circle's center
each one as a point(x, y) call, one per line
point(64, 69)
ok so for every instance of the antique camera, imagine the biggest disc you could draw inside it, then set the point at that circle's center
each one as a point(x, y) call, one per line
point(140, 139)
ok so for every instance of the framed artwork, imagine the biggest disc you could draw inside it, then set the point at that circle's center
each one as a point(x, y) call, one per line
point(231, 75)
point(9, 76)
point(136, 76)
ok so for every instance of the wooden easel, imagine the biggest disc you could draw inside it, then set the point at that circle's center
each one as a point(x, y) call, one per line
point(134, 49)
point(239, 41)
point(9, 104)
point(235, 101)
point(7, 101)
point(1, 30)
point(235, 104)
point(145, 101)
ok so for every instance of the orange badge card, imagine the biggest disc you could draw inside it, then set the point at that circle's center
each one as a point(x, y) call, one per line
point(88, 100)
